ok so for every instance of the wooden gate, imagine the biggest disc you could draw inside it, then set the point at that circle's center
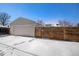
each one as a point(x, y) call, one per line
point(49, 32)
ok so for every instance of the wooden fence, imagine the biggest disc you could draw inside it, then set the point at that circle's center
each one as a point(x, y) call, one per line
point(59, 33)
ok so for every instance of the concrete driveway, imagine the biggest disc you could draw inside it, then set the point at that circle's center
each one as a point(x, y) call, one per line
point(28, 46)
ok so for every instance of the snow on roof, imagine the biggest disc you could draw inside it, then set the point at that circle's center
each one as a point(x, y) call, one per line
point(3, 26)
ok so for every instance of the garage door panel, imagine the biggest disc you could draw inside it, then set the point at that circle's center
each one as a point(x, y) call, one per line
point(24, 30)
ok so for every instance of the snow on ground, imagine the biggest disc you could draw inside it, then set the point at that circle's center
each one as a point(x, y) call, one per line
point(40, 47)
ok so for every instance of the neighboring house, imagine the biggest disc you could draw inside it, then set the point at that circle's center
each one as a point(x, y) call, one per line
point(48, 25)
point(4, 30)
point(23, 26)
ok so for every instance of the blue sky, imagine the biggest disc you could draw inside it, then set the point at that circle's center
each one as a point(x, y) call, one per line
point(48, 12)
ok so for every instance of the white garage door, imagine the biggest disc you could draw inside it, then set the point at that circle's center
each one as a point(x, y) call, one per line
point(26, 30)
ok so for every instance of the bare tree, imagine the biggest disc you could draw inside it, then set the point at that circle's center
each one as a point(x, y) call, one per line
point(77, 24)
point(64, 23)
point(4, 18)
point(40, 22)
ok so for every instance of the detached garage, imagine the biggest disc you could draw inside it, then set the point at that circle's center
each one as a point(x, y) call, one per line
point(23, 26)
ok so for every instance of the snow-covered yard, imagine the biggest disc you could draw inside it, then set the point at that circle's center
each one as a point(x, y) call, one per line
point(27, 46)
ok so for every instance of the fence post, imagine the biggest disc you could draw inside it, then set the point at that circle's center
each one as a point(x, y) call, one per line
point(64, 34)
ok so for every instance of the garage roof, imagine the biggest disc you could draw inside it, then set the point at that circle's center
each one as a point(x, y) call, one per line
point(24, 20)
